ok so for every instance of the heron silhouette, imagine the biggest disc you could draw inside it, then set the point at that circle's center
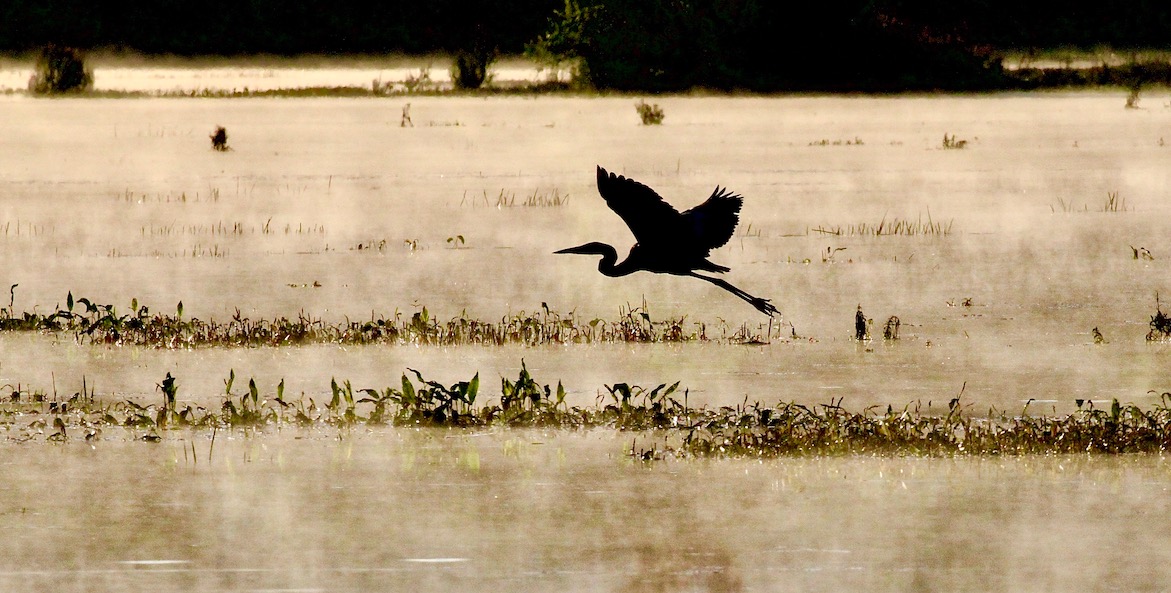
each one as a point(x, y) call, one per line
point(669, 242)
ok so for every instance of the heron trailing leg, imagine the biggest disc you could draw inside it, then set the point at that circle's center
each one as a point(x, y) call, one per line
point(762, 305)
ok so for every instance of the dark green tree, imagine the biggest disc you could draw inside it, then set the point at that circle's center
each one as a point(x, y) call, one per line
point(670, 45)
point(60, 70)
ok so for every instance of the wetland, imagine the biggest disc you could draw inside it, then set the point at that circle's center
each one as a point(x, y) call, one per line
point(1019, 239)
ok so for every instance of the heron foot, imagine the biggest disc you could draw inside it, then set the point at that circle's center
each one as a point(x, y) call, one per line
point(764, 306)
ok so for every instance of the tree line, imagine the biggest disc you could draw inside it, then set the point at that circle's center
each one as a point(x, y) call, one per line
point(763, 45)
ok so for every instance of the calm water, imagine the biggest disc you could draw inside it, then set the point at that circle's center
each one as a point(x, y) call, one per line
point(122, 199)
point(530, 511)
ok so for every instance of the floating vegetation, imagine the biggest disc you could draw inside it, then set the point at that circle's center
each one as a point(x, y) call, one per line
point(673, 427)
point(890, 228)
point(96, 323)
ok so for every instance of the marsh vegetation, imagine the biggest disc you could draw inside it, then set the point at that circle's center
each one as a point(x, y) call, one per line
point(662, 417)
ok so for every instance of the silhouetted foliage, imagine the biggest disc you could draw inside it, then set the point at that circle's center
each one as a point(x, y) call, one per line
point(643, 45)
point(60, 70)
point(474, 54)
point(236, 27)
point(470, 69)
point(669, 45)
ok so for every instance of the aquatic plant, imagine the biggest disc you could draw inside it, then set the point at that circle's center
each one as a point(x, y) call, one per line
point(1114, 203)
point(1160, 324)
point(219, 139)
point(856, 141)
point(650, 114)
point(507, 199)
point(1141, 253)
point(1067, 207)
point(672, 427)
point(98, 323)
point(891, 228)
point(890, 331)
point(951, 143)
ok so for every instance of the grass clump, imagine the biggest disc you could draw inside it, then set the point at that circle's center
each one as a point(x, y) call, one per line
point(1112, 203)
point(891, 228)
point(60, 70)
point(507, 199)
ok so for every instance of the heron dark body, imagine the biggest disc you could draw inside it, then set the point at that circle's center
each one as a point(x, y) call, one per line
point(669, 242)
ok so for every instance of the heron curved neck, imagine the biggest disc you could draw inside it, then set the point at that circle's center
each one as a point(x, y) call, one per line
point(609, 266)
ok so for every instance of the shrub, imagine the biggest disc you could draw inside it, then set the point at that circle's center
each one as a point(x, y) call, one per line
point(60, 70)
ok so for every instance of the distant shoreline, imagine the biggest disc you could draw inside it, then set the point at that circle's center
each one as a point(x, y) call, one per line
point(137, 76)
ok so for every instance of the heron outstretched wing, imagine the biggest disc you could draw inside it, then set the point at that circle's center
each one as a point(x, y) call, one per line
point(712, 223)
point(652, 220)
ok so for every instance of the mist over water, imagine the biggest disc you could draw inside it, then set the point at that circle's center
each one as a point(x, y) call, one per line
point(117, 199)
point(532, 511)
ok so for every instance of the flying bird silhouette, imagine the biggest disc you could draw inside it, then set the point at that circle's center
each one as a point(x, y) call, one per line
point(669, 242)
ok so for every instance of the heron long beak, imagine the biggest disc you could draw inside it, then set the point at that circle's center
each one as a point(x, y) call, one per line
point(578, 250)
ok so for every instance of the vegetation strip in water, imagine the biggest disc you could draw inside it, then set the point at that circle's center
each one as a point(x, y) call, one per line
point(671, 428)
point(101, 324)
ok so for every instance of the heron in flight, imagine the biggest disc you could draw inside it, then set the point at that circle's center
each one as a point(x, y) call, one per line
point(669, 242)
